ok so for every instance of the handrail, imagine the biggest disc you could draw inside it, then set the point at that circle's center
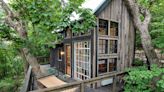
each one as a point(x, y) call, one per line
point(26, 81)
point(43, 59)
point(79, 83)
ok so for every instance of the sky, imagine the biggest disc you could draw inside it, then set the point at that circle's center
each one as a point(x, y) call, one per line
point(92, 4)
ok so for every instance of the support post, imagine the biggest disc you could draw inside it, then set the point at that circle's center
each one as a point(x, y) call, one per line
point(114, 84)
point(82, 87)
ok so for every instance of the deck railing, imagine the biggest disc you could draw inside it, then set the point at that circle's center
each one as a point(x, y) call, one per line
point(28, 82)
point(43, 59)
point(82, 84)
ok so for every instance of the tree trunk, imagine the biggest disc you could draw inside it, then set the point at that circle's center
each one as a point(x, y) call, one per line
point(16, 23)
point(147, 46)
point(26, 64)
point(136, 11)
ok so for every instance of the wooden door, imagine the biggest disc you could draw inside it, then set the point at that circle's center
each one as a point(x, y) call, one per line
point(68, 59)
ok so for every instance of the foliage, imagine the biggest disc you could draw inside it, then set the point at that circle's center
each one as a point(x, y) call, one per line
point(11, 69)
point(140, 79)
point(157, 23)
point(138, 62)
point(44, 18)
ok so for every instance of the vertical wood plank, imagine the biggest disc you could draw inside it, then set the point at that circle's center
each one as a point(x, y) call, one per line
point(131, 43)
point(122, 50)
point(119, 34)
point(82, 87)
point(114, 84)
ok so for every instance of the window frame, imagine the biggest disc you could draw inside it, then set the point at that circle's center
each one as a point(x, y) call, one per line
point(110, 55)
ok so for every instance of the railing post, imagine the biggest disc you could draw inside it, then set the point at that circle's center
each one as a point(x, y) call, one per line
point(114, 84)
point(82, 87)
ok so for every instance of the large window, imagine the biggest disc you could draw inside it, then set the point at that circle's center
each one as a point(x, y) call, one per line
point(82, 60)
point(108, 37)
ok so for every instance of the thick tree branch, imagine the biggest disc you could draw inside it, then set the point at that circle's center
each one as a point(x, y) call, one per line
point(6, 8)
point(147, 16)
point(13, 21)
point(134, 8)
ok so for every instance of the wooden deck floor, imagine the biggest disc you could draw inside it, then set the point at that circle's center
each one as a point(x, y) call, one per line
point(68, 79)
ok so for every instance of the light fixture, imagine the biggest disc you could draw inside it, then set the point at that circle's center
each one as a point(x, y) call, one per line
point(62, 52)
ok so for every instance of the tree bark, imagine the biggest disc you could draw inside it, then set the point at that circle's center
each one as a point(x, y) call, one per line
point(136, 11)
point(16, 23)
point(26, 64)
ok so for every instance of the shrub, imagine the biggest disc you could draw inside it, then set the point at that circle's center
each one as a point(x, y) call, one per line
point(140, 79)
point(138, 62)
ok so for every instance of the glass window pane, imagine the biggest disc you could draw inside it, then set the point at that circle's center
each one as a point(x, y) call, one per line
point(112, 64)
point(102, 64)
point(103, 45)
point(103, 27)
point(113, 46)
point(113, 29)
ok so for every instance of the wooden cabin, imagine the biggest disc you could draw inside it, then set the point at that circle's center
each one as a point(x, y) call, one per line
point(107, 48)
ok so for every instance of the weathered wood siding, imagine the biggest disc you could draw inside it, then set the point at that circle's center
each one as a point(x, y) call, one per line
point(117, 11)
point(54, 62)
